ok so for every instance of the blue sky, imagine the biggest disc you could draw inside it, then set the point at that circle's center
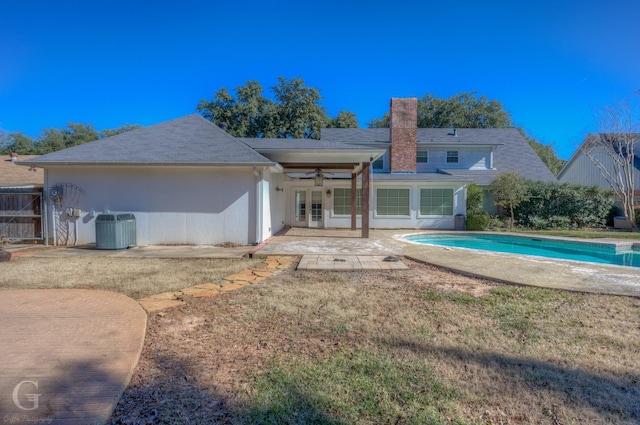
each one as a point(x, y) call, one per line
point(552, 64)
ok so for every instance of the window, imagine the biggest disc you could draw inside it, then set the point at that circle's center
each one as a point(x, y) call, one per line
point(422, 157)
point(436, 201)
point(452, 157)
point(392, 201)
point(342, 201)
point(378, 164)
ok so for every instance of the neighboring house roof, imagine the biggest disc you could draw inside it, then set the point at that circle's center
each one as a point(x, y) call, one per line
point(190, 140)
point(578, 153)
point(12, 176)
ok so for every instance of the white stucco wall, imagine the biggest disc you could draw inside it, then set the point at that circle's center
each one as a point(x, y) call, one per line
point(277, 203)
point(172, 205)
point(412, 221)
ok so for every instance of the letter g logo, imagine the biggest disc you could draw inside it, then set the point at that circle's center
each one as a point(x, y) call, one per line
point(31, 397)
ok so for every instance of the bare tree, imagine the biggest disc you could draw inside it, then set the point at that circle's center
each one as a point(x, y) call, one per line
point(614, 151)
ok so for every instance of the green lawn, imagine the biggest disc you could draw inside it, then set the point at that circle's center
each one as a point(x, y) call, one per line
point(589, 234)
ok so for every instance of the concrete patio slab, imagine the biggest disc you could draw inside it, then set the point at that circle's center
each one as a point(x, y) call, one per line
point(150, 251)
point(67, 354)
point(349, 262)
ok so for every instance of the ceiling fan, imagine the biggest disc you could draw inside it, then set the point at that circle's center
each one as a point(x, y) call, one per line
point(319, 176)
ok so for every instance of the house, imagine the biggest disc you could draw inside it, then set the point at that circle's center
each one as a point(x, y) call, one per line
point(20, 200)
point(189, 182)
point(582, 170)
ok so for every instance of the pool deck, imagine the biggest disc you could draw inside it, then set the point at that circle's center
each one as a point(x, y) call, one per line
point(507, 268)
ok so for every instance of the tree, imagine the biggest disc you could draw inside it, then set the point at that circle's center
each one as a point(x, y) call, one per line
point(614, 152)
point(344, 119)
point(19, 143)
point(247, 116)
point(463, 110)
point(509, 189)
point(546, 153)
point(294, 112)
point(115, 131)
point(53, 139)
point(466, 110)
point(73, 135)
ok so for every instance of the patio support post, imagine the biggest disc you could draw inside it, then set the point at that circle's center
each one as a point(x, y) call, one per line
point(353, 200)
point(365, 200)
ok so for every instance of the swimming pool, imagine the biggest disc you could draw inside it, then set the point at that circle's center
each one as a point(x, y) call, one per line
point(603, 253)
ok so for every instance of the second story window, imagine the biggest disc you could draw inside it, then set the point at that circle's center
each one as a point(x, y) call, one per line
point(452, 157)
point(422, 157)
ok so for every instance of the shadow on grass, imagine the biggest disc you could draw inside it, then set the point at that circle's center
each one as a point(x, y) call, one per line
point(607, 396)
point(175, 398)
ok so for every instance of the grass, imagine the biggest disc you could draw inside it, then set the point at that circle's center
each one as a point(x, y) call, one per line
point(413, 353)
point(371, 388)
point(417, 347)
point(135, 278)
point(588, 234)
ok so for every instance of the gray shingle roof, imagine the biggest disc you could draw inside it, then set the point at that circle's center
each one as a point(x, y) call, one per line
point(190, 140)
point(481, 177)
point(518, 156)
point(488, 136)
point(264, 144)
point(419, 177)
point(512, 153)
point(351, 135)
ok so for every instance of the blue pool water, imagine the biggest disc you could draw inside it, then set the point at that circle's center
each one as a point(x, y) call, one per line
point(550, 248)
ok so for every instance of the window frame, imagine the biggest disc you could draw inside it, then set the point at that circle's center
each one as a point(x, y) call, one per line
point(358, 202)
point(379, 198)
point(426, 157)
point(450, 157)
point(453, 201)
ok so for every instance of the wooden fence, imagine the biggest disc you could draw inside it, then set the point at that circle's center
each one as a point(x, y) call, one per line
point(21, 215)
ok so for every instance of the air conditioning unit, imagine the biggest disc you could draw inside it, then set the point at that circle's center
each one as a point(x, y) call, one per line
point(115, 230)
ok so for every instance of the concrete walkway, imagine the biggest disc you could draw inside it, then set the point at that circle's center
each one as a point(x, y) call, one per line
point(150, 251)
point(67, 354)
point(350, 263)
point(271, 266)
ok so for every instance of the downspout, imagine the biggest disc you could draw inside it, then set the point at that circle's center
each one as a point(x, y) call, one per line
point(45, 209)
point(259, 202)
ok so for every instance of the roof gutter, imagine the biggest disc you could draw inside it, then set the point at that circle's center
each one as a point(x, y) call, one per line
point(148, 164)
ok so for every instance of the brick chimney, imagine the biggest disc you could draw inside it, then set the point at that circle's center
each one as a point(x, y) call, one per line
point(403, 129)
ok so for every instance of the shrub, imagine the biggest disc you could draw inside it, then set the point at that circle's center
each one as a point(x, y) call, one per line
point(555, 205)
point(558, 222)
point(475, 195)
point(478, 220)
